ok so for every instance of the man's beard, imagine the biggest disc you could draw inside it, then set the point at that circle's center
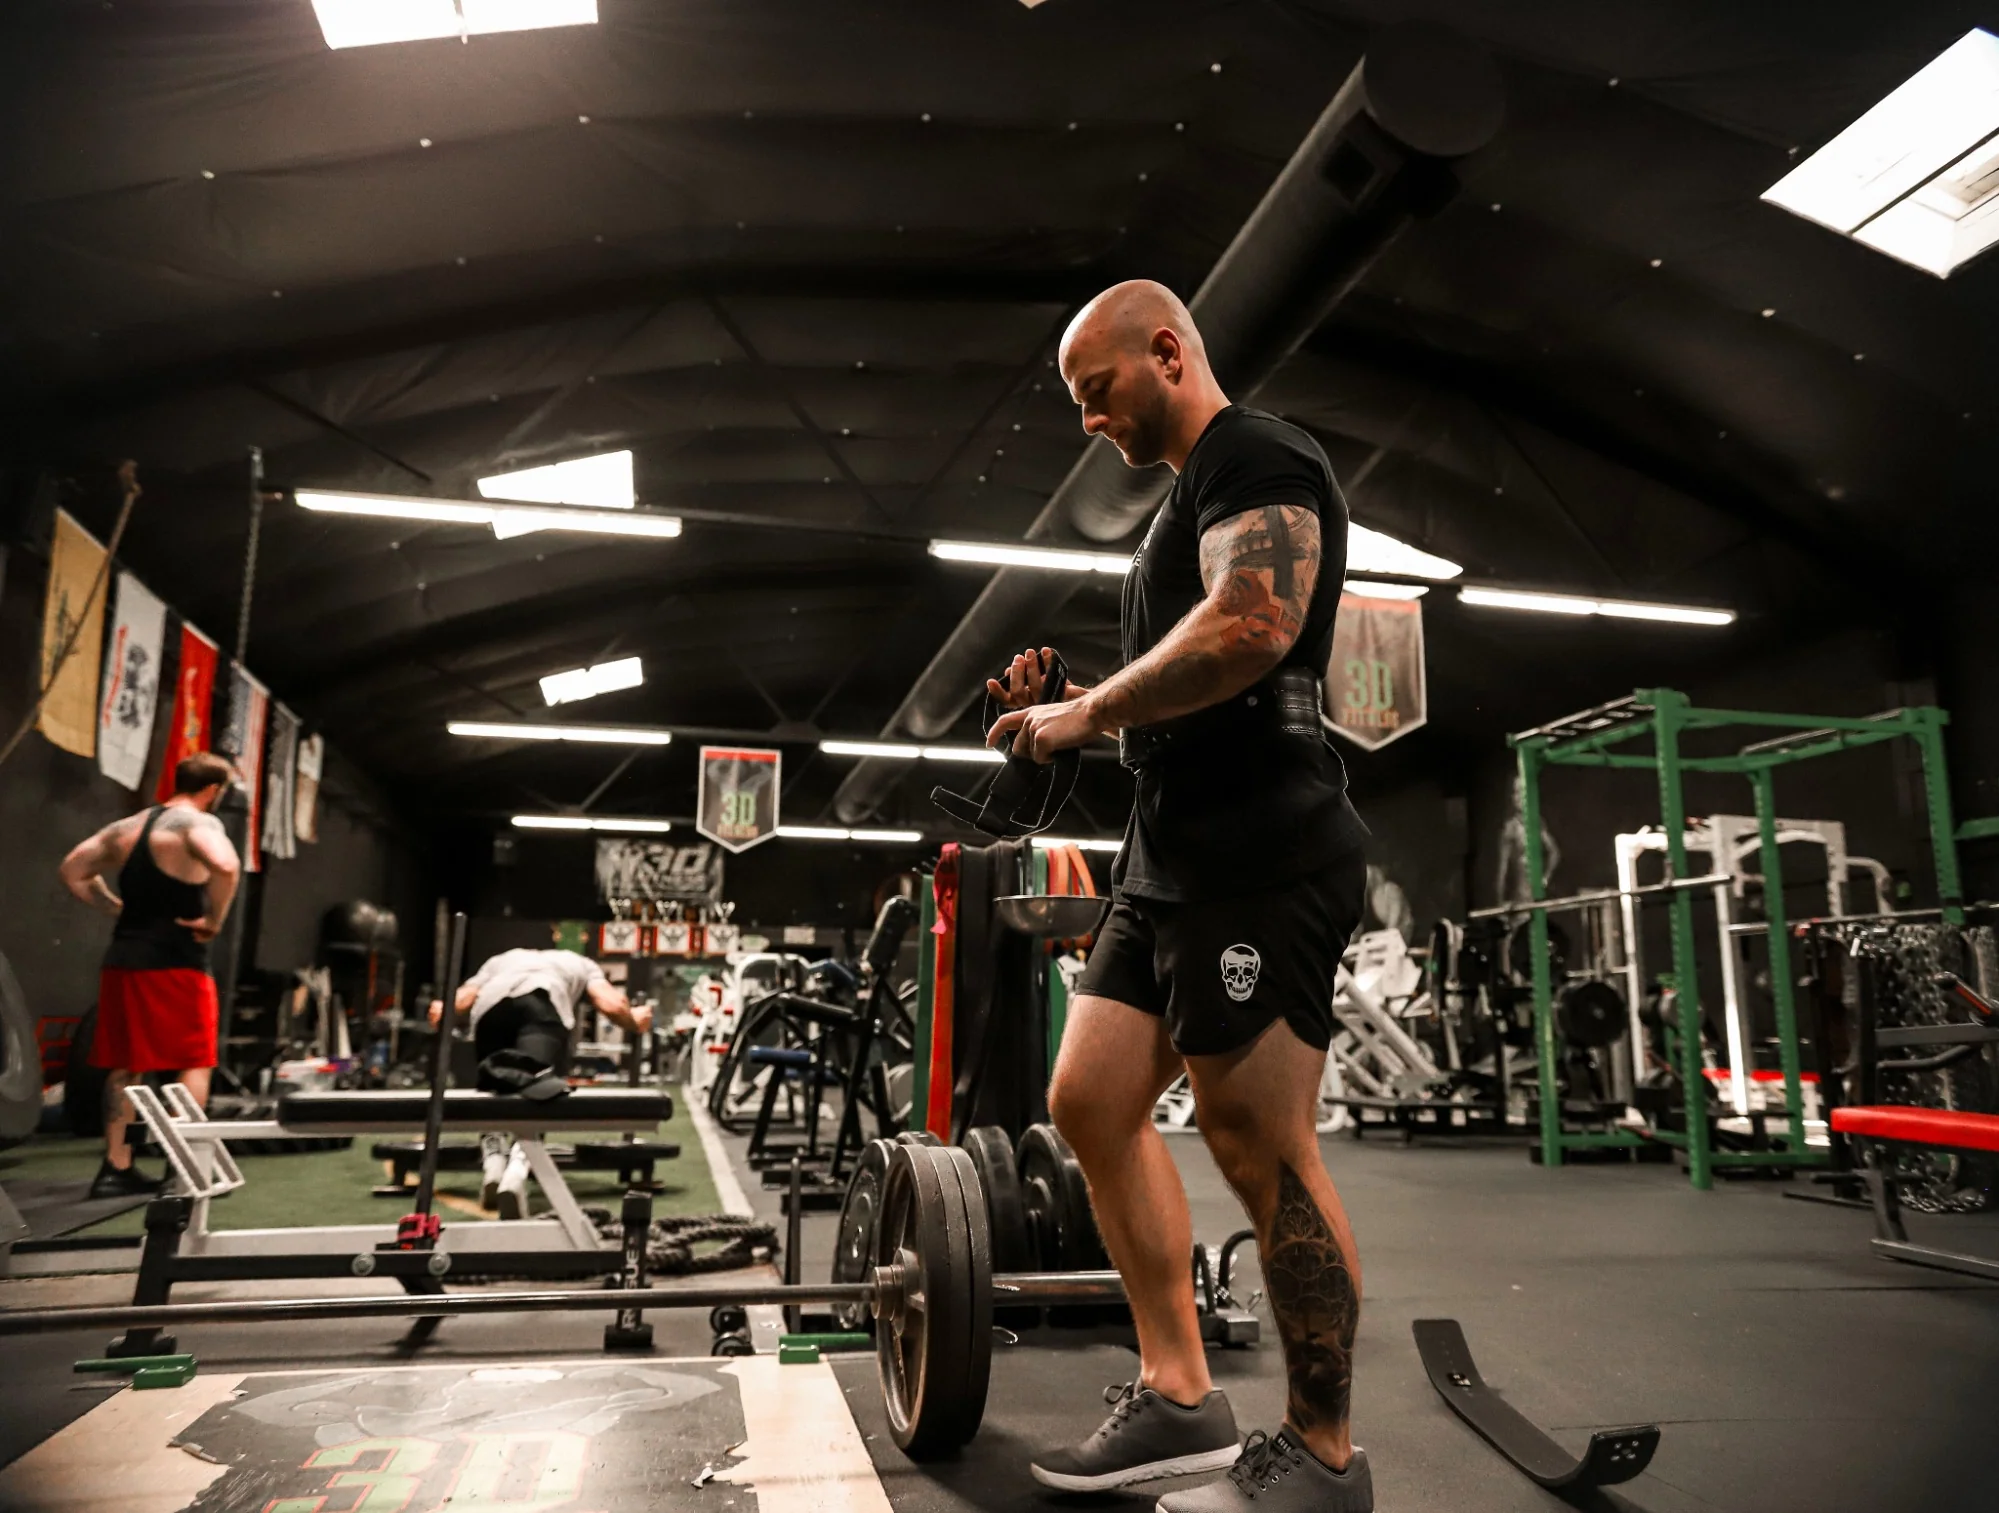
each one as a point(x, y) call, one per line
point(1144, 440)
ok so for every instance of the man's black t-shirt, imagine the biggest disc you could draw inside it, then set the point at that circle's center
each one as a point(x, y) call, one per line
point(1234, 803)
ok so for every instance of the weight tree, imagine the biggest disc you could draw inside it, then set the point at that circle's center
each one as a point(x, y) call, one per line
point(1591, 739)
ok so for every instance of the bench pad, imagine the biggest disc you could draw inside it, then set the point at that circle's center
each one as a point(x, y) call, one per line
point(1921, 1126)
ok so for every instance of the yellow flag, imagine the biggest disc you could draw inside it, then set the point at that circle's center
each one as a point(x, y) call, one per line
point(76, 598)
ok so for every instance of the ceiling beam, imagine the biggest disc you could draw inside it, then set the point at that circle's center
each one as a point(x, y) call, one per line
point(37, 407)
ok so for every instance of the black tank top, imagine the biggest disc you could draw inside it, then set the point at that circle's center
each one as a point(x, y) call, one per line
point(146, 937)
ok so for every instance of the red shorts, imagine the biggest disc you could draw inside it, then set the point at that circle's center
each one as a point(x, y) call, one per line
point(158, 1020)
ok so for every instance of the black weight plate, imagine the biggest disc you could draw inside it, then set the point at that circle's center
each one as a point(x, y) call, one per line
point(83, 1084)
point(854, 1243)
point(999, 1186)
point(1044, 1157)
point(929, 1363)
point(1520, 951)
point(979, 1340)
point(1592, 1013)
point(20, 1062)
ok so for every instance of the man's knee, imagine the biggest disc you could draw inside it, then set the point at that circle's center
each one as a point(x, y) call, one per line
point(1088, 1121)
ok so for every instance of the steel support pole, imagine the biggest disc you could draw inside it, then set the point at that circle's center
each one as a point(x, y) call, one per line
point(1783, 989)
point(1668, 710)
point(1943, 827)
point(1537, 936)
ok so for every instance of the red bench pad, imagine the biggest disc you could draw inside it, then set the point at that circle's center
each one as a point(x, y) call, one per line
point(1921, 1126)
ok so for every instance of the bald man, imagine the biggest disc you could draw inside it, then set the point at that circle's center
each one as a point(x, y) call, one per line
point(1240, 880)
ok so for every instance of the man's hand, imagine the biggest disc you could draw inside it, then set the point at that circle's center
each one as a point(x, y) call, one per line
point(436, 1010)
point(1025, 680)
point(204, 929)
point(1044, 729)
point(641, 1018)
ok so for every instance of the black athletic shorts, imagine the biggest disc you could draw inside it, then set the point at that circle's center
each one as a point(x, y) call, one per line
point(1221, 971)
point(530, 1024)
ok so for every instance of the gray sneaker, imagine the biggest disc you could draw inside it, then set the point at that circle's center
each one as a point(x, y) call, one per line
point(1277, 1475)
point(1147, 1437)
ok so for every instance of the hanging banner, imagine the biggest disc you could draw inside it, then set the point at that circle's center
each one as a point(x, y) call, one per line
point(305, 804)
point(737, 807)
point(659, 870)
point(194, 693)
point(280, 836)
point(1376, 690)
point(131, 683)
point(74, 609)
point(242, 741)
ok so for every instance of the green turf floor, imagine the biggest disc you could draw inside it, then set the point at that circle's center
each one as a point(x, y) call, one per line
point(332, 1187)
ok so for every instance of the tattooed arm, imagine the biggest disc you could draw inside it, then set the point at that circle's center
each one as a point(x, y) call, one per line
point(1259, 568)
point(83, 870)
point(207, 843)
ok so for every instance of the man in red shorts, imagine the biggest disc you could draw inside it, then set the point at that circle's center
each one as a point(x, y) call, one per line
point(156, 1007)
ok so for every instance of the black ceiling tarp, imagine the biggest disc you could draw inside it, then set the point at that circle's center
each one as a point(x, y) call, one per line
point(809, 263)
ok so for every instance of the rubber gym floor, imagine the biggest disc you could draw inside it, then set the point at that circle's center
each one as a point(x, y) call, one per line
point(1789, 1368)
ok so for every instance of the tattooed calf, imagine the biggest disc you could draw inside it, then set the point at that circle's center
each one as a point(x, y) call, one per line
point(1316, 1303)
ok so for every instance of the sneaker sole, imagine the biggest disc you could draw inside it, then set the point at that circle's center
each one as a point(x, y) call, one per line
point(1158, 1470)
point(509, 1204)
point(489, 1196)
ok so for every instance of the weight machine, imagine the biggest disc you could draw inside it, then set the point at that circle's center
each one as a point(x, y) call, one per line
point(1600, 738)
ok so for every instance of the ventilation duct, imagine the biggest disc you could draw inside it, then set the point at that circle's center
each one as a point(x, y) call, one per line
point(1376, 160)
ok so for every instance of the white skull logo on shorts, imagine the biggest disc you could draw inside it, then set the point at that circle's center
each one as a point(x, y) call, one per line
point(1240, 964)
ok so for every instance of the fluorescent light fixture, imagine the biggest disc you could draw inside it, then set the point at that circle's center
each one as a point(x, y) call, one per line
point(1368, 588)
point(984, 754)
point(1372, 552)
point(367, 23)
point(504, 520)
point(590, 822)
point(833, 833)
point(588, 682)
point(602, 482)
point(1616, 609)
point(1090, 843)
point(1054, 559)
point(514, 730)
point(895, 751)
point(1368, 551)
point(886, 750)
point(1916, 177)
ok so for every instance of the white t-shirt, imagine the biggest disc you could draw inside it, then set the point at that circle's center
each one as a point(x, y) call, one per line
point(563, 975)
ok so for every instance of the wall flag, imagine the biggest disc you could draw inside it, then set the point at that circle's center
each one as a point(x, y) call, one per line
point(131, 689)
point(738, 800)
point(1376, 690)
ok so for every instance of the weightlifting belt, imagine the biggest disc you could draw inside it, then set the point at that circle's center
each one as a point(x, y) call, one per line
point(1290, 699)
point(1024, 796)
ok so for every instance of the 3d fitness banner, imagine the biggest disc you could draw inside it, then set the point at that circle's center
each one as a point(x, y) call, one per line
point(738, 803)
point(1375, 688)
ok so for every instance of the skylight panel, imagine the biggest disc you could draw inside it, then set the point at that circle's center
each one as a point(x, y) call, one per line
point(1916, 177)
point(370, 23)
point(602, 482)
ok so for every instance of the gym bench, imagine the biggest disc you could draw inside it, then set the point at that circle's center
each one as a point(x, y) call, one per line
point(1945, 1129)
point(180, 1247)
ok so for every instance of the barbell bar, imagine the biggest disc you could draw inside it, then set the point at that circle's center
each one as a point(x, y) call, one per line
point(1039, 1287)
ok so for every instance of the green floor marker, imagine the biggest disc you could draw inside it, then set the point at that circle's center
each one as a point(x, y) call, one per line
point(125, 1365)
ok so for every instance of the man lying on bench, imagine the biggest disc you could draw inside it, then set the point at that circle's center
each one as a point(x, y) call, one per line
point(523, 1009)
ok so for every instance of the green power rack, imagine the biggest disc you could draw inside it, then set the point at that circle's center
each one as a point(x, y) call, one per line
point(1599, 738)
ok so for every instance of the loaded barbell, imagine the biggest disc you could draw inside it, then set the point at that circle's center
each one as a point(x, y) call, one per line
point(931, 1289)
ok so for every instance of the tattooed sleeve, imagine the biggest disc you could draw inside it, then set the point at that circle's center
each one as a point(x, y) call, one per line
point(1259, 568)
